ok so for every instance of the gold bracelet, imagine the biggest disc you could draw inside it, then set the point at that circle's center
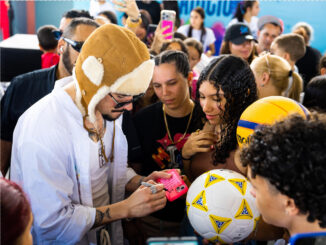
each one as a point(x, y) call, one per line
point(132, 24)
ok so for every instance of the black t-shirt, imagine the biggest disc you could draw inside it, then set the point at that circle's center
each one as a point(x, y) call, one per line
point(23, 91)
point(158, 152)
point(308, 65)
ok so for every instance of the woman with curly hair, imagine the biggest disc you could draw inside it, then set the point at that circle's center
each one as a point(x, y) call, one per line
point(226, 87)
point(286, 167)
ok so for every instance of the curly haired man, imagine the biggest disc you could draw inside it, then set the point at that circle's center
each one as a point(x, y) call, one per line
point(286, 166)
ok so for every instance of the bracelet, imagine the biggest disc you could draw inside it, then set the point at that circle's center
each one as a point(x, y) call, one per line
point(133, 24)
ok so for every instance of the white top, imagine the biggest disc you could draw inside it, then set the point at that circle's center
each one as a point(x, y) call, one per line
point(209, 37)
point(52, 160)
point(95, 7)
point(99, 174)
point(253, 24)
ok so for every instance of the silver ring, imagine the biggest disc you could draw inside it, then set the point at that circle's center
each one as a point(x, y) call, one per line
point(153, 189)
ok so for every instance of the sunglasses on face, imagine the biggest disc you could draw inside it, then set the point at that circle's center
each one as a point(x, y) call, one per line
point(122, 104)
point(74, 44)
point(57, 34)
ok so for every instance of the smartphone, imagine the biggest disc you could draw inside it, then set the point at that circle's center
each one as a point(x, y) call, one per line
point(191, 240)
point(167, 19)
point(318, 238)
point(175, 186)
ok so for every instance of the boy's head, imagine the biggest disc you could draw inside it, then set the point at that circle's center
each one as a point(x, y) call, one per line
point(46, 39)
point(322, 65)
point(290, 47)
point(286, 165)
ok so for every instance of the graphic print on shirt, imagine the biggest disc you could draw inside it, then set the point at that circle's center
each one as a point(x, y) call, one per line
point(169, 155)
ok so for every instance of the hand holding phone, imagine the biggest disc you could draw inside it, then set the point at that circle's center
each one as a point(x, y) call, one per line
point(167, 19)
point(175, 186)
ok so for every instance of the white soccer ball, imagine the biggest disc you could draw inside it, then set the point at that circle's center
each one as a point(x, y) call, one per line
point(220, 207)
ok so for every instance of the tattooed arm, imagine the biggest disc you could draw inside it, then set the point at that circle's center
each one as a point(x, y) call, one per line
point(107, 214)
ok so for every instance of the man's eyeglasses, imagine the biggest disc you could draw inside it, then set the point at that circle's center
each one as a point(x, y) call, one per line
point(122, 104)
point(74, 44)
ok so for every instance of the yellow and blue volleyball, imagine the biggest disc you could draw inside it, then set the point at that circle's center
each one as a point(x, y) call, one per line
point(266, 111)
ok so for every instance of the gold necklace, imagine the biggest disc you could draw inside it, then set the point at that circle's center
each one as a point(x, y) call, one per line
point(100, 138)
point(167, 126)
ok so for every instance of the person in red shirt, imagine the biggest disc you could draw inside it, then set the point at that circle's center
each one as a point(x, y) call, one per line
point(48, 45)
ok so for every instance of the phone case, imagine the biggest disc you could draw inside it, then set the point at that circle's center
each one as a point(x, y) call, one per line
point(175, 186)
point(167, 19)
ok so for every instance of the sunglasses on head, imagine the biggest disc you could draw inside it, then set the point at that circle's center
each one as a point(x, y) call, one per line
point(122, 104)
point(74, 44)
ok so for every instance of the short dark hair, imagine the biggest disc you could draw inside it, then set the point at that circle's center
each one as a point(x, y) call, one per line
point(110, 15)
point(315, 94)
point(46, 37)
point(291, 156)
point(174, 40)
point(233, 75)
point(322, 62)
point(293, 44)
point(71, 28)
point(74, 13)
point(178, 58)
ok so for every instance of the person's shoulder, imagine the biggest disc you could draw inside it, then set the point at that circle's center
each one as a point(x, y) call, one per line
point(27, 79)
point(149, 111)
point(315, 51)
point(233, 21)
point(209, 30)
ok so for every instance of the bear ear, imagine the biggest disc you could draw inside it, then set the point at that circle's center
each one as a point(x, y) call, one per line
point(93, 69)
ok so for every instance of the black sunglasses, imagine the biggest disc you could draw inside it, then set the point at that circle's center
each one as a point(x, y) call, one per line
point(74, 44)
point(122, 104)
point(57, 34)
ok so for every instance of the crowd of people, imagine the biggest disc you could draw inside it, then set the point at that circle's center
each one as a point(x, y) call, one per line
point(114, 107)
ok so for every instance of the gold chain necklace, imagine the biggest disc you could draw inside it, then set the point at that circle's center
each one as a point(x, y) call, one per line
point(99, 137)
point(167, 126)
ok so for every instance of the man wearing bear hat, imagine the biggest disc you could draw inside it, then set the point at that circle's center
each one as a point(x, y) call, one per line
point(72, 162)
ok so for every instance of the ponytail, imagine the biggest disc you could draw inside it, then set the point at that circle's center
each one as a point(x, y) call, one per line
point(239, 12)
point(242, 9)
point(295, 87)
